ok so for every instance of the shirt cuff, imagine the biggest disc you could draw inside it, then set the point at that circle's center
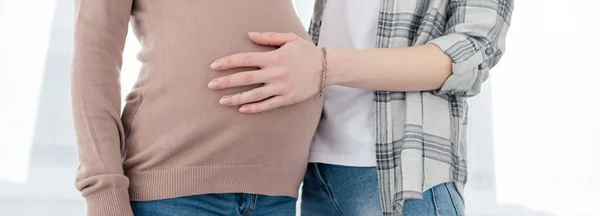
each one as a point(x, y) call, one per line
point(470, 67)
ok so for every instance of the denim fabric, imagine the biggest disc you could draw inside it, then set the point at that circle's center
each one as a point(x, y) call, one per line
point(331, 190)
point(441, 200)
point(217, 205)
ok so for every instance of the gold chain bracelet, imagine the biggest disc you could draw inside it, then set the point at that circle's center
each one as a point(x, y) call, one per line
point(323, 71)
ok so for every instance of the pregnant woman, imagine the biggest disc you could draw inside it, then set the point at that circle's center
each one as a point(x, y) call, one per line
point(175, 150)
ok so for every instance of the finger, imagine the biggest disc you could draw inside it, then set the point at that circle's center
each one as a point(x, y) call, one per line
point(252, 96)
point(272, 38)
point(239, 79)
point(256, 59)
point(269, 104)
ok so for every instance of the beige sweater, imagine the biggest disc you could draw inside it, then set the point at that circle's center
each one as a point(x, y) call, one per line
point(173, 138)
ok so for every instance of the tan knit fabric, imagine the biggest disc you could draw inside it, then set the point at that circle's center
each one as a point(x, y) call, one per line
point(173, 138)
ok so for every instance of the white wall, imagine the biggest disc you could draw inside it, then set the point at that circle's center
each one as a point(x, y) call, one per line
point(22, 58)
point(546, 110)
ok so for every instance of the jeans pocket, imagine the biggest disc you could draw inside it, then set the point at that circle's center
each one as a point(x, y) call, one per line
point(319, 179)
point(456, 198)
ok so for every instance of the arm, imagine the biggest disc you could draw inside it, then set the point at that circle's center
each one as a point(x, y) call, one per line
point(456, 63)
point(459, 62)
point(416, 68)
point(100, 32)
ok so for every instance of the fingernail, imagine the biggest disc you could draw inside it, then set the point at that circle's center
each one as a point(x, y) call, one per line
point(252, 34)
point(244, 109)
point(216, 65)
point(213, 84)
point(225, 101)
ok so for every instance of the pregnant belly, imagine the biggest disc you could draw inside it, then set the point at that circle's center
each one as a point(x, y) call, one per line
point(172, 106)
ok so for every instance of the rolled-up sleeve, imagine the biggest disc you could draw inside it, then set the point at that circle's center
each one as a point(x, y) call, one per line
point(475, 41)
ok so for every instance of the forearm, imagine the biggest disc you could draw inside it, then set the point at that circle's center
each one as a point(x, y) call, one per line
point(417, 68)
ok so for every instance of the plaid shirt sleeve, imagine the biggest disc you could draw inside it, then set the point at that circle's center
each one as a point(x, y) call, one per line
point(474, 39)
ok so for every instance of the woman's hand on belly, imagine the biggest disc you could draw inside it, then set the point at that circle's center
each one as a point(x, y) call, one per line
point(290, 74)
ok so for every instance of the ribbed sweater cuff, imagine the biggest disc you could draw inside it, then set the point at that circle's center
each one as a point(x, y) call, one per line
point(111, 202)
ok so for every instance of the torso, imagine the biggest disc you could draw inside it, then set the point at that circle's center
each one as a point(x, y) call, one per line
point(171, 109)
point(345, 135)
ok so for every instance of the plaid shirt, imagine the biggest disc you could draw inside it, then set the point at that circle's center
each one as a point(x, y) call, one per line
point(420, 137)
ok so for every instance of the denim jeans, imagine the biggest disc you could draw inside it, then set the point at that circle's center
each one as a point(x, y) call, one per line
point(331, 190)
point(217, 205)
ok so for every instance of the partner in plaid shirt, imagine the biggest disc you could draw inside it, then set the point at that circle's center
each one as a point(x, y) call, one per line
point(431, 56)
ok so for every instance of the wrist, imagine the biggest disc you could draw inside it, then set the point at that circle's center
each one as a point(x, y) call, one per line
point(335, 64)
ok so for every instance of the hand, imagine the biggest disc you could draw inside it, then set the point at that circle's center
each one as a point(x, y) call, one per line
point(290, 74)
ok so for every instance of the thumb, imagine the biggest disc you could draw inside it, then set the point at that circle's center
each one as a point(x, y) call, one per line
point(272, 38)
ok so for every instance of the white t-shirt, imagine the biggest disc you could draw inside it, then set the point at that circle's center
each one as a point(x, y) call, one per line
point(345, 135)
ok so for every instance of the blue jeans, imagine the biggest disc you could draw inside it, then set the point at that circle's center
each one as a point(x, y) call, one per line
point(217, 205)
point(331, 190)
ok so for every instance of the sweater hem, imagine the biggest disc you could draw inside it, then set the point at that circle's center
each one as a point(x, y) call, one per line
point(188, 181)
